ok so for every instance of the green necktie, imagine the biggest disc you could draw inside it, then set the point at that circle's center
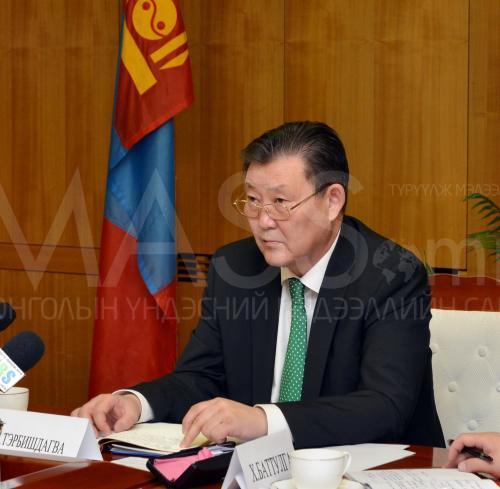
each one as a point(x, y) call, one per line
point(293, 368)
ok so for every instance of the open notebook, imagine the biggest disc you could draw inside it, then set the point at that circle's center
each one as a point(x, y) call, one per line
point(148, 439)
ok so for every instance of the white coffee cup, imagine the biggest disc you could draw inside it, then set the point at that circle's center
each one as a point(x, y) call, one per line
point(15, 398)
point(318, 468)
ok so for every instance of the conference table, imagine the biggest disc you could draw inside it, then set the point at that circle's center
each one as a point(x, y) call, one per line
point(43, 474)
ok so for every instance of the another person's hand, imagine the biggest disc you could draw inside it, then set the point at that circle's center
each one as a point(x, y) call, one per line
point(110, 412)
point(220, 418)
point(489, 443)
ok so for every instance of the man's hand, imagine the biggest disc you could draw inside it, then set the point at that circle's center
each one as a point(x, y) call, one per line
point(220, 418)
point(111, 412)
point(489, 443)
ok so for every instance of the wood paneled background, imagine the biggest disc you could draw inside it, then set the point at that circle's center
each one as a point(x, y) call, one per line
point(57, 68)
point(411, 86)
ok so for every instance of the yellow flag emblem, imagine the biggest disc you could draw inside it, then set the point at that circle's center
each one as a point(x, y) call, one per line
point(152, 21)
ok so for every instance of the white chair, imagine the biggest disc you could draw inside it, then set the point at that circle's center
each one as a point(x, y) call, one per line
point(466, 370)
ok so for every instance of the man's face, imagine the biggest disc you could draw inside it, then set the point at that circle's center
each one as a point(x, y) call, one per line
point(301, 241)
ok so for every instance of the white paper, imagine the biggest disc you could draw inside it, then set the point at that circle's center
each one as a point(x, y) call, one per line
point(421, 479)
point(132, 462)
point(368, 455)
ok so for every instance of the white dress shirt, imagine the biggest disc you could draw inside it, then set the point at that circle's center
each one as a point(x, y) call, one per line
point(312, 281)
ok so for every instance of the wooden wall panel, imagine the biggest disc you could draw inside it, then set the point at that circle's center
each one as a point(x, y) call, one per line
point(91, 58)
point(56, 259)
point(57, 69)
point(58, 60)
point(484, 121)
point(236, 49)
point(60, 310)
point(391, 77)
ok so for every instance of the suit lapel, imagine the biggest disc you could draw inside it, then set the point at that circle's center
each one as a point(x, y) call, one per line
point(328, 309)
point(264, 332)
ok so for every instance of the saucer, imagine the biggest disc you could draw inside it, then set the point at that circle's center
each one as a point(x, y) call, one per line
point(288, 484)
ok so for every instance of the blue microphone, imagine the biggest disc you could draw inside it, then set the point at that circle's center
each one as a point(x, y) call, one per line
point(17, 356)
point(25, 349)
point(7, 315)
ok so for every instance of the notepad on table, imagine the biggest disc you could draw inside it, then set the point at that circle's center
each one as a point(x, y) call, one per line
point(149, 439)
point(420, 479)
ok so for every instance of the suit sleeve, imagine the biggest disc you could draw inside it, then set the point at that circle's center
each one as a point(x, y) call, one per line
point(199, 374)
point(395, 356)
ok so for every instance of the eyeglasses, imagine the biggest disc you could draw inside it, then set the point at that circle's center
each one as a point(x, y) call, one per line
point(276, 211)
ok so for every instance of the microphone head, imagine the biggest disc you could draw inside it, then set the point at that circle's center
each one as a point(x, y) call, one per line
point(7, 315)
point(25, 349)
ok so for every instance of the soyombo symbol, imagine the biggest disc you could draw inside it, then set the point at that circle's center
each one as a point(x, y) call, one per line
point(152, 20)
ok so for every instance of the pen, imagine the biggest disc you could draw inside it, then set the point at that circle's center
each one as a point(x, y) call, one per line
point(474, 452)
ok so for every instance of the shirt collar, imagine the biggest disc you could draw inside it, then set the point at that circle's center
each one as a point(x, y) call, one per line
point(313, 278)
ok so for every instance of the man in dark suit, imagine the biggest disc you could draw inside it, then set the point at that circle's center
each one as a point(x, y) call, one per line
point(316, 324)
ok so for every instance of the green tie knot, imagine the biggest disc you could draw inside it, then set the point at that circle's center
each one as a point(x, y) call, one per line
point(296, 291)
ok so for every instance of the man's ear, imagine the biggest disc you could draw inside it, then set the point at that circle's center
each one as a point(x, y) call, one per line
point(336, 200)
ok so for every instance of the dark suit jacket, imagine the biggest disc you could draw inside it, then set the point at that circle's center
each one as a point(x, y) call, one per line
point(368, 374)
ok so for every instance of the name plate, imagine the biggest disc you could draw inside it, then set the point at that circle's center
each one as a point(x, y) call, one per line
point(47, 436)
point(258, 463)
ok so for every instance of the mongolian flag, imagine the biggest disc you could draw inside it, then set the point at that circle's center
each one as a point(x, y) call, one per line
point(135, 334)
